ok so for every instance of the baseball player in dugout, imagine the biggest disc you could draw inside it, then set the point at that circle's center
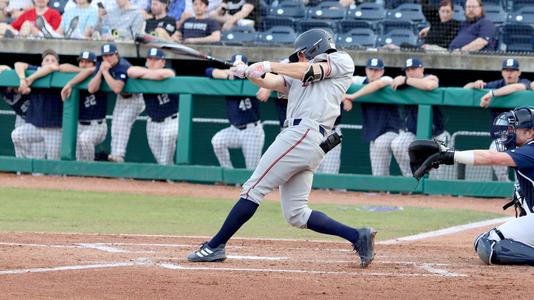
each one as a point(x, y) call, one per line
point(246, 131)
point(315, 82)
point(511, 243)
point(511, 82)
point(92, 126)
point(114, 70)
point(162, 109)
point(415, 77)
point(381, 122)
point(45, 112)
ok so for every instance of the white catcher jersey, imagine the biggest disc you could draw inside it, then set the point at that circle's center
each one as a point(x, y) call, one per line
point(320, 101)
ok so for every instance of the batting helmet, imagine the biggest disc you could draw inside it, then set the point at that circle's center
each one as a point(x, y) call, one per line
point(505, 124)
point(312, 43)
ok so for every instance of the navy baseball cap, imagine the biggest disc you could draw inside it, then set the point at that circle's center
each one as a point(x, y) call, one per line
point(510, 64)
point(108, 49)
point(239, 57)
point(412, 62)
point(374, 63)
point(87, 55)
point(155, 53)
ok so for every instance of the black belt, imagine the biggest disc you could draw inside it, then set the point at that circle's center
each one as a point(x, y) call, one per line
point(89, 122)
point(296, 122)
point(161, 120)
point(244, 126)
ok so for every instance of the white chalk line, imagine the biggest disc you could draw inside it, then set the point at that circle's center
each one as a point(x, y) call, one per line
point(445, 231)
point(442, 272)
point(102, 247)
point(69, 268)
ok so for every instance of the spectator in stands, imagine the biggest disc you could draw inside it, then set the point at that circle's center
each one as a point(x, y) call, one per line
point(92, 126)
point(439, 34)
point(79, 21)
point(45, 111)
point(511, 82)
point(27, 23)
point(15, 8)
point(381, 122)
point(114, 70)
point(162, 109)
point(122, 23)
point(237, 12)
point(189, 12)
point(415, 77)
point(199, 29)
point(476, 33)
point(347, 3)
point(160, 25)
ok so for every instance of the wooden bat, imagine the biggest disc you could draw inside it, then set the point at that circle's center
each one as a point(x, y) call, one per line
point(177, 48)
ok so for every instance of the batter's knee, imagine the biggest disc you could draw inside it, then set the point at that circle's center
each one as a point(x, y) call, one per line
point(298, 217)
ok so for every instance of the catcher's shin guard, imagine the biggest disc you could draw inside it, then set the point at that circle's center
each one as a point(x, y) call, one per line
point(484, 247)
point(510, 252)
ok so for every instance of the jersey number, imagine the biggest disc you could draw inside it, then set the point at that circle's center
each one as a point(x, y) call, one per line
point(163, 99)
point(245, 104)
point(90, 101)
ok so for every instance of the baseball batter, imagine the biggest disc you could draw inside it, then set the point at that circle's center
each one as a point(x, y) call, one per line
point(513, 132)
point(113, 69)
point(162, 109)
point(315, 83)
point(246, 131)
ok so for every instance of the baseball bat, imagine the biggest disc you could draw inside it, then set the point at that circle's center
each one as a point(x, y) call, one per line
point(177, 48)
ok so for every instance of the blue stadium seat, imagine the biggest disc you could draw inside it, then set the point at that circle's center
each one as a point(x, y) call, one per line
point(392, 4)
point(285, 13)
point(495, 13)
point(345, 26)
point(519, 4)
point(518, 37)
point(326, 10)
point(359, 37)
point(309, 24)
point(239, 35)
point(398, 37)
point(389, 25)
point(367, 12)
point(277, 35)
point(524, 15)
point(459, 13)
point(58, 5)
point(407, 12)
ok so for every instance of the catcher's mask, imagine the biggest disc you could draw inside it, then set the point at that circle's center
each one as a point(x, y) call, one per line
point(505, 124)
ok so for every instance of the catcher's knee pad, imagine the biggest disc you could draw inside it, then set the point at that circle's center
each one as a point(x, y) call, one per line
point(484, 247)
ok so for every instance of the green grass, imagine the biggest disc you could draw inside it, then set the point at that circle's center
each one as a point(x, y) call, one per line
point(75, 211)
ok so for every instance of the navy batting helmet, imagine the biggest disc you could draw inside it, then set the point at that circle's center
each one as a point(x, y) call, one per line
point(312, 43)
point(505, 124)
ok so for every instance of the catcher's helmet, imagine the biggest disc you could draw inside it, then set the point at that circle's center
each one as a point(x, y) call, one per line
point(312, 43)
point(505, 124)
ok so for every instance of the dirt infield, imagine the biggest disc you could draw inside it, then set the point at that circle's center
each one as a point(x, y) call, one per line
point(63, 265)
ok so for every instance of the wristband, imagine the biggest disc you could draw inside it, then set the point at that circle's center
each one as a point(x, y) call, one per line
point(465, 157)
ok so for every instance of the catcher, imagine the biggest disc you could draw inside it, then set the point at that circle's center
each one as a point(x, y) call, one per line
point(511, 243)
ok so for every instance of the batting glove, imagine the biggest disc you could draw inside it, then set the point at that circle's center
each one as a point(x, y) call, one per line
point(239, 70)
point(258, 69)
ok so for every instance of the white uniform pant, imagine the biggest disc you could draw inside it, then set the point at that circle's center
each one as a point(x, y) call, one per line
point(332, 159)
point(162, 139)
point(518, 229)
point(88, 137)
point(288, 163)
point(124, 114)
point(400, 146)
point(250, 140)
point(26, 136)
point(37, 150)
point(380, 153)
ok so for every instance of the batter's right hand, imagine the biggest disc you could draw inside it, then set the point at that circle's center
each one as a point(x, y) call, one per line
point(239, 70)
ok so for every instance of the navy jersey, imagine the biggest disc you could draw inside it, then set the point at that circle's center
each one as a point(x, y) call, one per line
point(118, 71)
point(46, 107)
point(242, 110)
point(18, 102)
point(499, 84)
point(160, 106)
point(93, 106)
point(524, 171)
point(379, 118)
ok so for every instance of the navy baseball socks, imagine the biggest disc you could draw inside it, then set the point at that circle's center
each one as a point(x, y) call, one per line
point(363, 239)
point(213, 250)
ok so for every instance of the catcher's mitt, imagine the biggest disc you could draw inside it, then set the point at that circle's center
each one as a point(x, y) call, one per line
point(426, 155)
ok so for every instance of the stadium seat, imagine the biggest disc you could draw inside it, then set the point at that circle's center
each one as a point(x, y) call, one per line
point(58, 5)
point(367, 12)
point(309, 24)
point(398, 37)
point(518, 37)
point(389, 25)
point(524, 15)
point(345, 26)
point(359, 37)
point(407, 12)
point(495, 13)
point(519, 4)
point(326, 10)
point(277, 35)
point(239, 35)
point(285, 13)
point(459, 13)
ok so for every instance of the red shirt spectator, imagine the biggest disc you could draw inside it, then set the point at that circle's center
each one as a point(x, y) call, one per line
point(52, 16)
